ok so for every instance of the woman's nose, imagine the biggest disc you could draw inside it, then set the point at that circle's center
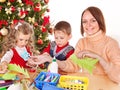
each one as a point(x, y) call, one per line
point(88, 24)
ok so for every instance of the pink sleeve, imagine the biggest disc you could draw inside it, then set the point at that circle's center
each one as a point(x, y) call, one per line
point(112, 68)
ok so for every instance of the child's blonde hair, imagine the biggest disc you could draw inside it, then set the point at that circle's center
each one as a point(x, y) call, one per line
point(11, 39)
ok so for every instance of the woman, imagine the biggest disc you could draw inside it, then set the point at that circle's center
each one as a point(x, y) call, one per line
point(95, 44)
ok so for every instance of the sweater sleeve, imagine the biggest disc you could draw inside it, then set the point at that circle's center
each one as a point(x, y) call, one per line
point(71, 67)
point(112, 68)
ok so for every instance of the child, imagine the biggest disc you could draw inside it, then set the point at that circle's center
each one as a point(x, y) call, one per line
point(18, 46)
point(60, 48)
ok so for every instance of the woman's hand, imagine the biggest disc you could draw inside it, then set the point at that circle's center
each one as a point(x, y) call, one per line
point(86, 53)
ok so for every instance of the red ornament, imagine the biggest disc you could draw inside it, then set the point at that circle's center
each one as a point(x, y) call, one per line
point(38, 5)
point(13, 8)
point(40, 41)
point(48, 10)
point(0, 34)
point(35, 24)
point(36, 9)
point(51, 31)
point(0, 7)
point(44, 29)
point(46, 1)
point(46, 20)
point(12, 0)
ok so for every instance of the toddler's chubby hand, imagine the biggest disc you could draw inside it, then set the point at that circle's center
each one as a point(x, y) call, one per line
point(3, 67)
point(30, 63)
point(40, 59)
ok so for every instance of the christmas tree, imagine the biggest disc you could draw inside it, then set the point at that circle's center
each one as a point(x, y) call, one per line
point(31, 11)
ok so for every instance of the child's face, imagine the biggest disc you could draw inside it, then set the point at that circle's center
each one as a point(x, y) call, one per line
point(22, 40)
point(61, 38)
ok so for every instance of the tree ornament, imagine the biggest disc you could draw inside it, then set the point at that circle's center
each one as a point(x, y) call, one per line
point(32, 11)
point(48, 10)
point(46, 1)
point(2, 1)
point(4, 31)
point(31, 20)
point(37, 7)
point(8, 11)
point(40, 41)
point(35, 24)
point(51, 31)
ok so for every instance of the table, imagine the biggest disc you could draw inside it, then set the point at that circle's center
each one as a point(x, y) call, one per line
point(99, 82)
point(96, 82)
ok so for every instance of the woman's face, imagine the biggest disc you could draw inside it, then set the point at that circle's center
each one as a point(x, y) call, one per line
point(22, 40)
point(90, 24)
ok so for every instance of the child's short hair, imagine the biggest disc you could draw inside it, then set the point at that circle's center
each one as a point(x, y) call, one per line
point(63, 26)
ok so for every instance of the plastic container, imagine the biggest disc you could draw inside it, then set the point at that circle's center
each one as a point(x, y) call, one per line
point(51, 87)
point(53, 67)
point(73, 82)
point(46, 78)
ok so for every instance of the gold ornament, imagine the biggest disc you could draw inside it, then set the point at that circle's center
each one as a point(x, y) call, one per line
point(4, 31)
point(8, 11)
point(2, 1)
point(31, 19)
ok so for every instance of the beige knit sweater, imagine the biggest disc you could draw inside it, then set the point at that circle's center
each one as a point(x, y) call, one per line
point(104, 46)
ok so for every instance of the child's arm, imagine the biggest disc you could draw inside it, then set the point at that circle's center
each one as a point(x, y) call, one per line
point(45, 57)
point(30, 63)
point(3, 66)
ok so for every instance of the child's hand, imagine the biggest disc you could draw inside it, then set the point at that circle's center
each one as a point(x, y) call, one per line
point(30, 63)
point(41, 58)
point(3, 67)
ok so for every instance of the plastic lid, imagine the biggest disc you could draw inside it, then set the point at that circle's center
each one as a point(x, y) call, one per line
point(54, 59)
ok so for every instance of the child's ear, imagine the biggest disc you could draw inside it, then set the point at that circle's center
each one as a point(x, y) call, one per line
point(70, 36)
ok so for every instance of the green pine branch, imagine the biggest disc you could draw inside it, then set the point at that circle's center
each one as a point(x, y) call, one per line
point(86, 63)
point(17, 68)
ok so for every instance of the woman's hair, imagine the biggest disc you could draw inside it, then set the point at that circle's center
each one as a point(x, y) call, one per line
point(11, 39)
point(98, 15)
point(63, 26)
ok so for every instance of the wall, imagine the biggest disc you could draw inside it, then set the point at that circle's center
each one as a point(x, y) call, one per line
point(70, 10)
